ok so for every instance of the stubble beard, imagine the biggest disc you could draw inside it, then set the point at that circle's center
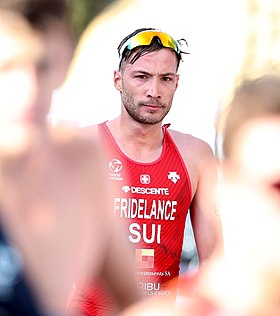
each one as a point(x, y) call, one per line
point(133, 111)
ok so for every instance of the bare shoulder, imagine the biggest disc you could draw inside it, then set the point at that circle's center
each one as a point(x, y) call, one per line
point(189, 144)
point(196, 153)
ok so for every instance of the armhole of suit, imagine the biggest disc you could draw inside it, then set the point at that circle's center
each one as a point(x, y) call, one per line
point(181, 159)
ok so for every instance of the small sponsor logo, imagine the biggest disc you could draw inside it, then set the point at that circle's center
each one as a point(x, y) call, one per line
point(115, 165)
point(145, 178)
point(149, 286)
point(173, 176)
point(144, 258)
point(143, 190)
point(126, 188)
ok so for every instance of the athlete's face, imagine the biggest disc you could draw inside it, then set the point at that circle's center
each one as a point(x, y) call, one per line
point(147, 87)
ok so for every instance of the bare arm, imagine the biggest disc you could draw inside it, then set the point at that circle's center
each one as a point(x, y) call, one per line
point(202, 168)
point(203, 212)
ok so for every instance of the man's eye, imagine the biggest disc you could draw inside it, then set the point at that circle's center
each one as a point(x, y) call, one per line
point(141, 76)
point(166, 79)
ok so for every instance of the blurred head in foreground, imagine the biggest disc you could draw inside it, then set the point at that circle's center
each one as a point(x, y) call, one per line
point(250, 195)
point(54, 190)
point(35, 53)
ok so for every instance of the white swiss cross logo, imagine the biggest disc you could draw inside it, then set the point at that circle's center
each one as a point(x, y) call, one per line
point(145, 179)
point(173, 176)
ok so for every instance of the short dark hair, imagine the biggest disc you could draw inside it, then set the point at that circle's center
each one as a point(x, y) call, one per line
point(133, 54)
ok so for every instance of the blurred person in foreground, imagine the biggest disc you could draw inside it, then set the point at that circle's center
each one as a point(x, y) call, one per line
point(245, 279)
point(159, 173)
point(56, 229)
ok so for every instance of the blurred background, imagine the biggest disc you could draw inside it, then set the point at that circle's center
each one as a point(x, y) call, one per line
point(229, 40)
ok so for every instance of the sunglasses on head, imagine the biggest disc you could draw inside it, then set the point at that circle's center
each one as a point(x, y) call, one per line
point(145, 38)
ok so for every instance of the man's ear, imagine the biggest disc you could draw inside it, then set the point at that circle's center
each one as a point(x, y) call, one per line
point(118, 80)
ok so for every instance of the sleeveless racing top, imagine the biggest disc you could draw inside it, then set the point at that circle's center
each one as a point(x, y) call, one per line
point(152, 199)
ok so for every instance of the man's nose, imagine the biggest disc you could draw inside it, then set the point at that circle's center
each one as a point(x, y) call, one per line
point(154, 88)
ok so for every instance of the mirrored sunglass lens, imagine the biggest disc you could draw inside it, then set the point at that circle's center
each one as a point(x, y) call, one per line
point(146, 38)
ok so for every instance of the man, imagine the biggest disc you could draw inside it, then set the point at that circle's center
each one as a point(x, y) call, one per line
point(159, 173)
point(56, 229)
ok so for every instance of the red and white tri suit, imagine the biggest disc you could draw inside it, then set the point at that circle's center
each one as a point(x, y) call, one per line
point(153, 199)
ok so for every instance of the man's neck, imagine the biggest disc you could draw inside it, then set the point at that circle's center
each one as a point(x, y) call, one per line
point(140, 142)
